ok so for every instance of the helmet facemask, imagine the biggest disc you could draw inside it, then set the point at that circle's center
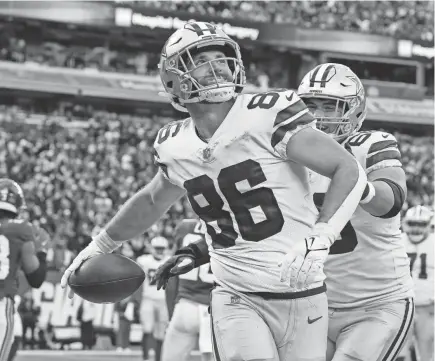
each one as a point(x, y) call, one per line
point(417, 230)
point(417, 223)
point(180, 66)
point(340, 90)
point(344, 120)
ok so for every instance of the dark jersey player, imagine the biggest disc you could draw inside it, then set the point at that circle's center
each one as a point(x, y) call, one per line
point(21, 248)
point(190, 321)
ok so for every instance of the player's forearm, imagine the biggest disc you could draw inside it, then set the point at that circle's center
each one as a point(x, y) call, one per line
point(138, 214)
point(343, 196)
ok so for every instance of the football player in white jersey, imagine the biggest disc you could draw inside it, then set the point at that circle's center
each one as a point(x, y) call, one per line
point(242, 160)
point(369, 285)
point(190, 323)
point(419, 241)
point(153, 312)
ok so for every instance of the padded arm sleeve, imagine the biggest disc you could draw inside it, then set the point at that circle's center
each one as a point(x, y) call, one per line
point(37, 277)
point(198, 250)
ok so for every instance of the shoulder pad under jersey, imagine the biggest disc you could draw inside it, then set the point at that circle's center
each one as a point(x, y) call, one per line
point(18, 229)
point(288, 112)
point(163, 143)
point(375, 150)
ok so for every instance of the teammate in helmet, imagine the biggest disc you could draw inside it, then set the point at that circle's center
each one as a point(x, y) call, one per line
point(242, 160)
point(21, 247)
point(419, 240)
point(159, 247)
point(371, 301)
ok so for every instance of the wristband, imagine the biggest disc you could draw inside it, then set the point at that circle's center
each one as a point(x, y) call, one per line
point(325, 230)
point(104, 242)
point(368, 194)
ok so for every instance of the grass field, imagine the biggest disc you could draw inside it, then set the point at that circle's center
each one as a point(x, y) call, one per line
point(29, 355)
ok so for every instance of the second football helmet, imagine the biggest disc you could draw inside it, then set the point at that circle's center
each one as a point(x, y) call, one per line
point(177, 64)
point(11, 196)
point(159, 247)
point(336, 82)
point(417, 223)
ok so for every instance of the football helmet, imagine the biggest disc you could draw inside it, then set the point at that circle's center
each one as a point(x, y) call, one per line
point(11, 196)
point(159, 247)
point(176, 65)
point(338, 83)
point(417, 223)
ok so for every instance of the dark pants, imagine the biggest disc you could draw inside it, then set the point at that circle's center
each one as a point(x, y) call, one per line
point(123, 335)
point(31, 342)
point(87, 334)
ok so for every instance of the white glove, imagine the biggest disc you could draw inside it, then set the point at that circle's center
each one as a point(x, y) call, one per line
point(91, 250)
point(299, 271)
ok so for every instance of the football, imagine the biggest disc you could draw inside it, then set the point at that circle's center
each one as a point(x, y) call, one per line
point(106, 278)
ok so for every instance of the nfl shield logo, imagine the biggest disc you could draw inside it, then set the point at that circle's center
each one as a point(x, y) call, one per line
point(206, 153)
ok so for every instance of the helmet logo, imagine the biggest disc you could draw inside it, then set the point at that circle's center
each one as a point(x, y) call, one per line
point(200, 31)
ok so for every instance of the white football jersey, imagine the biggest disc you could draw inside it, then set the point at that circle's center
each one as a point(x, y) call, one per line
point(149, 265)
point(368, 263)
point(256, 204)
point(421, 257)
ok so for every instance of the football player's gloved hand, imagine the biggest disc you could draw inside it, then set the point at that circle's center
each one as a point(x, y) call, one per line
point(90, 251)
point(41, 238)
point(300, 271)
point(176, 265)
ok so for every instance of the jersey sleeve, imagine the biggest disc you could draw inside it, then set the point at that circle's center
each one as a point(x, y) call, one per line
point(143, 262)
point(376, 150)
point(183, 228)
point(20, 230)
point(161, 153)
point(290, 116)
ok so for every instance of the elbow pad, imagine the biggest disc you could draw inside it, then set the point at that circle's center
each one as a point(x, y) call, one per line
point(399, 197)
point(198, 250)
point(37, 277)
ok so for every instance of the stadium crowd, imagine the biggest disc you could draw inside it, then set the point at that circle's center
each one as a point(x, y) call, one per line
point(406, 19)
point(393, 18)
point(76, 178)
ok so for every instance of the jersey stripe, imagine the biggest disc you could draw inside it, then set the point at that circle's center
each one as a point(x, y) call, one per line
point(289, 112)
point(321, 72)
point(381, 156)
point(313, 76)
point(279, 134)
point(399, 340)
point(6, 327)
point(376, 147)
point(325, 76)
